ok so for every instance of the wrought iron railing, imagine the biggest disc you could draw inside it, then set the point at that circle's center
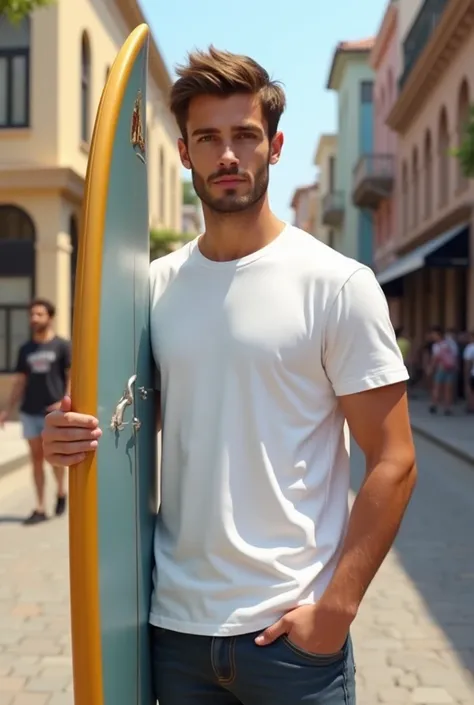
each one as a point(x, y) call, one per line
point(374, 166)
point(333, 201)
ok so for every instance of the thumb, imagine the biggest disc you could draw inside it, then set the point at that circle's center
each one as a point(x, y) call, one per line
point(65, 404)
point(271, 633)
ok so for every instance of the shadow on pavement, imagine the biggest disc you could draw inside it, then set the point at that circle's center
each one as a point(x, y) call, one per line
point(11, 519)
point(435, 545)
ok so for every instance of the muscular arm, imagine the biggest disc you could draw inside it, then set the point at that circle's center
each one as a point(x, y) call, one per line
point(379, 423)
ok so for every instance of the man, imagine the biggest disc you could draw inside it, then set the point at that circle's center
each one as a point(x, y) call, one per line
point(444, 370)
point(265, 342)
point(468, 377)
point(41, 381)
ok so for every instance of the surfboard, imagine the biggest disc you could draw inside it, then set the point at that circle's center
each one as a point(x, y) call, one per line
point(113, 493)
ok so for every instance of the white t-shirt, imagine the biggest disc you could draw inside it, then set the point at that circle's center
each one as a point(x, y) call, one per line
point(251, 355)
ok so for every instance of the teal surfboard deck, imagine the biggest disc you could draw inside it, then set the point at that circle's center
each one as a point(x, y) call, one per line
point(125, 468)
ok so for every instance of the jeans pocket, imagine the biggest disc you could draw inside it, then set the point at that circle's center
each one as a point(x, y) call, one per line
point(316, 659)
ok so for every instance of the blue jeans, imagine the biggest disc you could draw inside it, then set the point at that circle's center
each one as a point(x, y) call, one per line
point(199, 670)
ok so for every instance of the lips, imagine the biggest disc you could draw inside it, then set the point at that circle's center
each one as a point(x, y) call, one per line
point(229, 180)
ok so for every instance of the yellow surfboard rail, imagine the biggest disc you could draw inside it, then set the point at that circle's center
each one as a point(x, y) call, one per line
point(83, 513)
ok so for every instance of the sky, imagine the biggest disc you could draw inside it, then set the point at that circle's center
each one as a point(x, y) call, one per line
point(295, 41)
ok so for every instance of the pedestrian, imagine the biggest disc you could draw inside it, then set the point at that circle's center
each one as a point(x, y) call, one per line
point(282, 345)
point(468, 373)
point(41, 381)
point(444, 363)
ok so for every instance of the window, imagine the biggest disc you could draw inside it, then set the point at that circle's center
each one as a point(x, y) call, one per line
point(85, 88)
point(17, 267)
point(463, 118)
point(14, 73)
point(443, 159)
point(366, 91)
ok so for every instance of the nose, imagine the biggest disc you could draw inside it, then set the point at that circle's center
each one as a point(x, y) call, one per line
point(228, 158)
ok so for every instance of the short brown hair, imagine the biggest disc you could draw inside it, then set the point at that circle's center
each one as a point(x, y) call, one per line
point(221, 73)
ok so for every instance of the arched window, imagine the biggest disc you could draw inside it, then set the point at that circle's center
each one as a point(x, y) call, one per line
point(405, 200)
point(463, 116)
point(428, 169)
point(17, 277)
point(85, 88)
point(443, 159)
point(14, 73)
point(162, 178)
point(415, 177)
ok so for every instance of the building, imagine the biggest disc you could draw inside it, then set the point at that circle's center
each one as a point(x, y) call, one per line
point(304, 204)
point(54, 66)
point(433, 275)
point(325, 160)
point(375, 188)
point(352, 78)
point(191, 219)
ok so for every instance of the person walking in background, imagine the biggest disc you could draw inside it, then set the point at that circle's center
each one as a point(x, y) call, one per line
point(468, 376)
point(41, 380)
point(445, 369)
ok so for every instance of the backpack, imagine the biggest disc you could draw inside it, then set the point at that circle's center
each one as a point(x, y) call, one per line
point(446, 356)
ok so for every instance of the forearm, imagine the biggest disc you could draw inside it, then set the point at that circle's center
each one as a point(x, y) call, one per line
point(15, 397)
point(373, 525)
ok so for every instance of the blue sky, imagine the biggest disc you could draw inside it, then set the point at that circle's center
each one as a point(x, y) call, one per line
point(294, 40)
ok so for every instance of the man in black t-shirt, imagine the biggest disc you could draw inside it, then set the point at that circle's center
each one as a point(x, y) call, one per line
point(42, 380)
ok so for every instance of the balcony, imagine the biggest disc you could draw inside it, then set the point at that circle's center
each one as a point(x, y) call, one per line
point(333, 209)
point(373, 180)
point(420, 34)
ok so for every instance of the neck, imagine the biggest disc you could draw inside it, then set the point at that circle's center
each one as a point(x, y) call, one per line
point(43, 336)
point(230, 236)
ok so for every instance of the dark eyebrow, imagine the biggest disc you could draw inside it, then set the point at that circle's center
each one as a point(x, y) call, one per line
point(237, 128)
point(205, 131)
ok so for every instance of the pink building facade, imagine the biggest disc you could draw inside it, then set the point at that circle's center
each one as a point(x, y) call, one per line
point(432, 276)
point(385, 60)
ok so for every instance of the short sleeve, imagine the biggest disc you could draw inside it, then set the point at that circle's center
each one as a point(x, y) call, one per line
point(67, 355)
point(21, 363)
point(360, 349)
point(469, 353)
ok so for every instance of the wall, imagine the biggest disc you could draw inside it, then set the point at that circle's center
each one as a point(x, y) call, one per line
point(38, 144)
point(386, 142)
point(327, 148)
point(349, 129)
point(106, 31)
point(444, 94)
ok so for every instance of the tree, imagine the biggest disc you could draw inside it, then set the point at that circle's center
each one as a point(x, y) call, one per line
point(16, 10)
point(189, 194)
point(465, 151)
point(162, 242)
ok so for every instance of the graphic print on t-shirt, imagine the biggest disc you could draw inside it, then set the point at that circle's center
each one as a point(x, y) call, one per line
point(41, 361)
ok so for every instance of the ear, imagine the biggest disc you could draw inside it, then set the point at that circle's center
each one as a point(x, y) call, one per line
point(183, 154)
point(276, 147)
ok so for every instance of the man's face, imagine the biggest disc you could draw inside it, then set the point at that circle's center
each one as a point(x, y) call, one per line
point(228, 151)
point(39, 319)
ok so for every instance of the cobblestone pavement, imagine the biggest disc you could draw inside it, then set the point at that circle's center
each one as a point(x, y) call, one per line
point(414, 637)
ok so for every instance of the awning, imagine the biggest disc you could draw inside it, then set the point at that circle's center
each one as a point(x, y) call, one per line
point(450, 249)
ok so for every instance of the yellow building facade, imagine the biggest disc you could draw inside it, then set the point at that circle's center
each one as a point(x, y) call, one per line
point(53, 67)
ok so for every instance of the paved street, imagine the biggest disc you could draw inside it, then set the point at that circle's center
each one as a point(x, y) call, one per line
point(414, 638)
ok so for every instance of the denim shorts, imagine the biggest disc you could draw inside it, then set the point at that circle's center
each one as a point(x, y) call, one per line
point(32, 425)
point(442, 376)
